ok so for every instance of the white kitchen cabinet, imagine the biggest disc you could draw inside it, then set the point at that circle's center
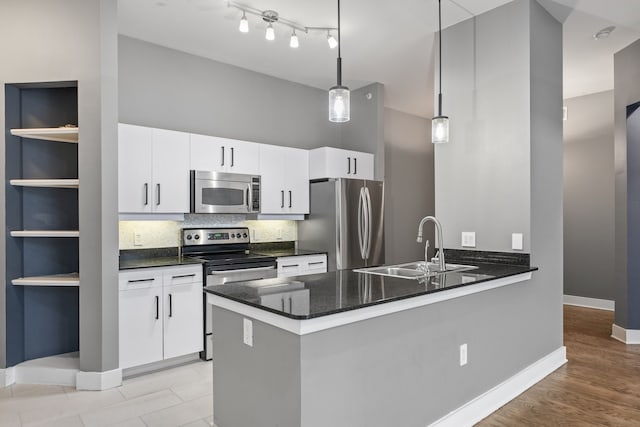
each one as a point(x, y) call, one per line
point(329, 162)
point(160, 314)
point(153, 170)
point(211, 153)
point(301, 265)
point(285, 180)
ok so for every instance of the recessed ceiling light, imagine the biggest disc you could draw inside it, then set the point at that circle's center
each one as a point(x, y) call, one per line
point(604, 33)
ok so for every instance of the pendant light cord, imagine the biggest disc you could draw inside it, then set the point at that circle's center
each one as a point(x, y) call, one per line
point(339, 64)
point(439, 55)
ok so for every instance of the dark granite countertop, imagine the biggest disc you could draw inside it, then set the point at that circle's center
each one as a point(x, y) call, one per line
point(328, 293)
point(128, 264)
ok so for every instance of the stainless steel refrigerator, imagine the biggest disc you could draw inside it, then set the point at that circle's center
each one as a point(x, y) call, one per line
point(347, 221)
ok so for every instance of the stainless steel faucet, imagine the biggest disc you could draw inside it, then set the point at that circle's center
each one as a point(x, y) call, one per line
point(441, 263)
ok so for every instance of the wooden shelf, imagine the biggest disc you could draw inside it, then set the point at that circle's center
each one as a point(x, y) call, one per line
point(71, 279)
point(61, 134)
point(46, 183)
point(45, 233)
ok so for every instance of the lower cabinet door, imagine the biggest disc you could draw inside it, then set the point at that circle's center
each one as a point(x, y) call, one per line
point(183, 332)
point(140, 320)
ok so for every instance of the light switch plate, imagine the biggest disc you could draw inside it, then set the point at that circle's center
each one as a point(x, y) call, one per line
point(137, 239)
point(247, 327)
point(468, 239)
point(517, 241)
point(463, 354)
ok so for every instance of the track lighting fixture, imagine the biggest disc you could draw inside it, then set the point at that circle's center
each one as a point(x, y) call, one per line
point(272, 17)
point(293, 42)
point(331, 40)
point(244, 24)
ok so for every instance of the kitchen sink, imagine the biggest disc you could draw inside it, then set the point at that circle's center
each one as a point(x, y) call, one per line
point(413, 270)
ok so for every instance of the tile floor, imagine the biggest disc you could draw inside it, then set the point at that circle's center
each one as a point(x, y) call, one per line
point(181, 396)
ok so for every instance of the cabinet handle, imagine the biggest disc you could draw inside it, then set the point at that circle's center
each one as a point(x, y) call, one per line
point(316, 263)
point(282, 301)
point(222, 164)
point(140, 280)
point(355, 166)
point(158, 191)
point(232, 157)
point(146, 193)
point(289, 198)
point(170, 306)
point(157, 307)
point(348, 165)
point(290, 265)
point(282, 198)
point(290, 305)
point(183, 275)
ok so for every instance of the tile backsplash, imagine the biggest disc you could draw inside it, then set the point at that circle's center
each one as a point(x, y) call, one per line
point(163, 234)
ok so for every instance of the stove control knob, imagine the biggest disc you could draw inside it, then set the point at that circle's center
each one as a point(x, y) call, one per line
point(189, 237)
point(233, 236)
point(244, 235)
point(197, 237)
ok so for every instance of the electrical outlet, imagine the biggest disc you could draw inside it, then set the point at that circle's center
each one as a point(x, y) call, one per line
point(279, 233)
point(517, 241)
point(247, 332)
point(137, 239)
point(463, 354)
point(256, 235)
point(468, 239)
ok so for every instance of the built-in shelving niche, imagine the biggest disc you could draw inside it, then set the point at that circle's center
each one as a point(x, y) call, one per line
point(41, 183)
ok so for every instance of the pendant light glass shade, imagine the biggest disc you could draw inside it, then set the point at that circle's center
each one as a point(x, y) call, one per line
point(339, 101)
point(440, 130)
point(244, 24)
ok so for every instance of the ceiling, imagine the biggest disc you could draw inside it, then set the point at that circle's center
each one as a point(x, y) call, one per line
point(382, 41)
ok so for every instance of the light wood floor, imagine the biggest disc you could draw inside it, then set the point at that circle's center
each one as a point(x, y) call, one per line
point(599, 386)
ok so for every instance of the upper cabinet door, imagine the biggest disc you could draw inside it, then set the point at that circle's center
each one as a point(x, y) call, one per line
point(170, 171)
point(285, 180)
point(210, 153)
point(134, 168)
point(328, 162)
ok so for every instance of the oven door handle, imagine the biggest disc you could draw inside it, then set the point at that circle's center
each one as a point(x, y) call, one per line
point(240, 270)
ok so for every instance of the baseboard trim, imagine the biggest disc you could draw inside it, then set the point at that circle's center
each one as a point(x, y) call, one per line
point(600, 304)
point(627, 336)
point(484, 405)
point(7, 377)
point(99, 380)
point(158, 366)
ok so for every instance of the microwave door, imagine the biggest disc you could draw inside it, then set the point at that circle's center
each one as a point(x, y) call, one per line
point(222, 196)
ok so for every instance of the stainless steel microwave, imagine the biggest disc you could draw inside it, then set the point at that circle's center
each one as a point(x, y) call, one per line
point(215, 192)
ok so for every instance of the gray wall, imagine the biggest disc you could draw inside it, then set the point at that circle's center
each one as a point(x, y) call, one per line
point(482, 176)
point(626, 92)
point(409, 188)
point(166, 88)
point(502, 171)
point(589, 198)
point(63, 40)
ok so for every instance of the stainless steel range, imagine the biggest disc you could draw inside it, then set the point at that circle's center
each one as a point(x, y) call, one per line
point(226, 258)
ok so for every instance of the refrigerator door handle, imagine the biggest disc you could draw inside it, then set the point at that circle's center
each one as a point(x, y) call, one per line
point(369, 231)
point(361, 224)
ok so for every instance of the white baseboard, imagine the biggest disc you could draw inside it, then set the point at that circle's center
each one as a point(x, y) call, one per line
point(627, 336)
point(601, 304)
point(482, 406)
point(99, 380)
point(7, 377)
point(158, 366)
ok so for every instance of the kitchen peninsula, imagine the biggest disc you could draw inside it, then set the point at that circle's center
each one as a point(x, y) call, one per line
point(343, 348)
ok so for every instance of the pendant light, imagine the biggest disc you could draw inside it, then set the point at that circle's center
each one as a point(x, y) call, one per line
point(440, 123)
point(339, 95)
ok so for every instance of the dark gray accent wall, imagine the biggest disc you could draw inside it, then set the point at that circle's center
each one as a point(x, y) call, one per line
point(626, 92)
point(166, 88)
point(409, 188)
point(75, 40)
point(589, 197)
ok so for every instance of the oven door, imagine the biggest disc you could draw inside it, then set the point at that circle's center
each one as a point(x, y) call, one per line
point(220, 277)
